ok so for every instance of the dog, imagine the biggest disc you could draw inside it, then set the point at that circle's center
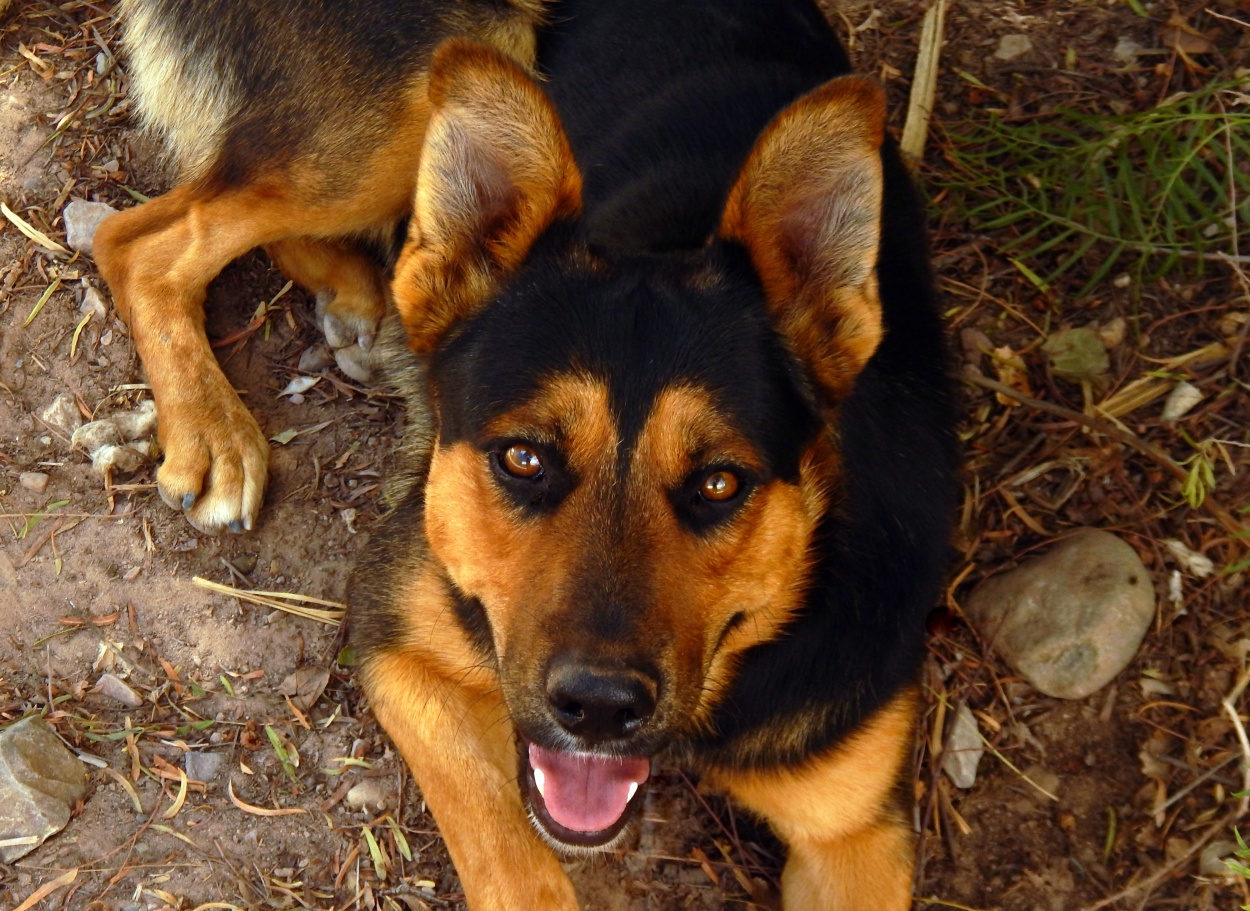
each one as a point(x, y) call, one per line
point(680, 463)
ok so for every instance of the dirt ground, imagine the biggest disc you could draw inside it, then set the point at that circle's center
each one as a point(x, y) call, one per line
point(96, 573)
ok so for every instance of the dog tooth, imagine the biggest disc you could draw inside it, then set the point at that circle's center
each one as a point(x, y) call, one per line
point(633, 789)
point(539, 781)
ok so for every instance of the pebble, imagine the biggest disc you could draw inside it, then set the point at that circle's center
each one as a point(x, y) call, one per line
point(93, 302)
point(1071, 620)
point(205, 765)
point(35, 481)
point(1180, 401)
point(315, 359)
point(82, 218)
point(1012, 46)
point(41, 781)
point(63, 413)
point(964, 749)
point(1127, 50)
point(372, 792)
point(116, 688)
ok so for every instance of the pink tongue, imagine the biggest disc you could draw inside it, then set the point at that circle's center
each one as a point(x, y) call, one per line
point(586, 793)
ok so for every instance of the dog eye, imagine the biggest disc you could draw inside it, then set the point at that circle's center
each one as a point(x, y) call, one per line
point(720, 486)
point(521, 462)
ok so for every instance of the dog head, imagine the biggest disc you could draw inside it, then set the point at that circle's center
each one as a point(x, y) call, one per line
point(634, 451)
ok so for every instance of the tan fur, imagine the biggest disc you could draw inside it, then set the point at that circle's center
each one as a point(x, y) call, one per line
point(158, 259)
point(420, 693)
point(848, 850)
point(807, 205)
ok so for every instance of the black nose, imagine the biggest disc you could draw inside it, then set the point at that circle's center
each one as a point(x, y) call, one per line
point(598, 703)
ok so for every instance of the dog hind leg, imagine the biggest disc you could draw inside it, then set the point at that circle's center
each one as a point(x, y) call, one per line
point(350, 290)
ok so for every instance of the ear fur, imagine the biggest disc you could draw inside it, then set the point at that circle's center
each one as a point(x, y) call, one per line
point(496, 170)
point(807, 207)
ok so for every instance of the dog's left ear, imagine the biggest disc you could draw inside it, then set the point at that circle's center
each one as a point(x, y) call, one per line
point(807, 207)
point(496, 170)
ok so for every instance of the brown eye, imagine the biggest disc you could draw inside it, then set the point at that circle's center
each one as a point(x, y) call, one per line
point(522, 462)
point(720, 486)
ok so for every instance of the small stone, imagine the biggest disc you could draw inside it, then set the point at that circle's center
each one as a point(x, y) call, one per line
point(372, 792)
point(93, 302)
point(116, 688)
point(131, 574)
point(1198, 565)
point(1012, 46)
point(35, 481)
point(41, 781)
point(1127, 50)
point(205, 765)
point(1071, 620)
point(63, 413)
point(82, 219)
point(964, 749)
point(315, 359)
point(1111, 333)
point(1180, 401)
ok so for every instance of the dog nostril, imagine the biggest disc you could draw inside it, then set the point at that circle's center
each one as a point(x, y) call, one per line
point(599, 705)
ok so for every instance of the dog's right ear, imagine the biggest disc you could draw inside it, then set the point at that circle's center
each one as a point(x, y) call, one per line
point(496, 170)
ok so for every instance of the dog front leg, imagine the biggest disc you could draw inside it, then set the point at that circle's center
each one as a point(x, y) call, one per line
point(457, 739)
point(850, 847)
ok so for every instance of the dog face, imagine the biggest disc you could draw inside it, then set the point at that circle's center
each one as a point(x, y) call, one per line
point(634, 452)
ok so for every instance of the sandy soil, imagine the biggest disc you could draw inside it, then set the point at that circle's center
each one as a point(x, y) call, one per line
point(96, 577)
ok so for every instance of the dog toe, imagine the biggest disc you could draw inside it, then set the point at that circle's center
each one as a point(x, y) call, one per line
point(215, 471)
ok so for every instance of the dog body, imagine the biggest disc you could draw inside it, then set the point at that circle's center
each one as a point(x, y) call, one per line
point(680, 457)
point(684, 477)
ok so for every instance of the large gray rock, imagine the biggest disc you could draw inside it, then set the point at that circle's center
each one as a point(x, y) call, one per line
point(40, 780)
point(1071, 620)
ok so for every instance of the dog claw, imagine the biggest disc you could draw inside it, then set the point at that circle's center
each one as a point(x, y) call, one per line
point(188, 500)
point(236, 527)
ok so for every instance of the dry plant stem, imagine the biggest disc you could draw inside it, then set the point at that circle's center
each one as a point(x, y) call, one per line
point(1231, 525)
point(924, 83)
point(1230, 706)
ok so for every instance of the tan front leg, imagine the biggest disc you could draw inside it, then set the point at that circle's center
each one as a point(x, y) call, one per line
point(158, 259)
point(456, 737)
point(851, 849)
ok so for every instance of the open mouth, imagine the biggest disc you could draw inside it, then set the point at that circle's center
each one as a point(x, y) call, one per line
point(583, 800)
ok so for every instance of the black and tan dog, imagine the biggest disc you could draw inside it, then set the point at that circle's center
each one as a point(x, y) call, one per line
point(681, 459)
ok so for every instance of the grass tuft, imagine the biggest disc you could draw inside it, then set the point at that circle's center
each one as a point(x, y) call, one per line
point(1155, 192)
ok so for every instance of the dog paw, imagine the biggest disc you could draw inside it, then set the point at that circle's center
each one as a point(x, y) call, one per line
point(216, 464)
point(350, 326)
